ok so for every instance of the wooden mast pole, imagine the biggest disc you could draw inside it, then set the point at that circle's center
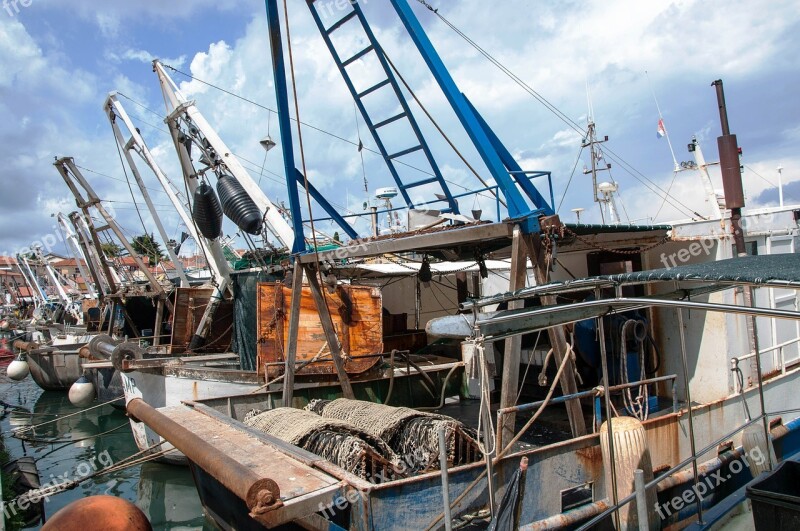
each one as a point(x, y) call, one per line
point(523, 247)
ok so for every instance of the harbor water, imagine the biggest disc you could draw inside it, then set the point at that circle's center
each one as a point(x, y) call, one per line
point(76, 446)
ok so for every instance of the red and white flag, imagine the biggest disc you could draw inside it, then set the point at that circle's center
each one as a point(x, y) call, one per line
point(662, 131)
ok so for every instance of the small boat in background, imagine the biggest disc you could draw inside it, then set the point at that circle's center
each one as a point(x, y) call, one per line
point(24, 476)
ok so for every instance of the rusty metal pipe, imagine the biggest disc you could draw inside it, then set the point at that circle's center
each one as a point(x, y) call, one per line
point(570, 518)
point(27, 346)
point(100, 347)
point(260, 494)
point(709, 467)
point(712, 465)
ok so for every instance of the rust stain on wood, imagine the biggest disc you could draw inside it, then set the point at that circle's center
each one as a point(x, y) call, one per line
point(357, 315)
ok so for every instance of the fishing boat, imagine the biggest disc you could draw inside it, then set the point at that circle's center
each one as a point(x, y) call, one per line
point(376, 306)
point(663, 353)
point(683, 447)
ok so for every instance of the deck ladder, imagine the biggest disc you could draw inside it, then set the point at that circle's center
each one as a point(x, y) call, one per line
point(354, 21)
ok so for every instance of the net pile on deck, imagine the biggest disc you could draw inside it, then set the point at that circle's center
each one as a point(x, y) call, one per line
point(412, 435)
point(342, 444)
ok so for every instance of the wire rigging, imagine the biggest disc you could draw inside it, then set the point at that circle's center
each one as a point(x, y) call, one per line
point(648, 183)
point(310, 126)
point(571, 175)
point(441, 131)
point(361, 149)
point(128, 182)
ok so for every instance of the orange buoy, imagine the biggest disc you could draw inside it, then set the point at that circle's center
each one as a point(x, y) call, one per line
point(99, 512)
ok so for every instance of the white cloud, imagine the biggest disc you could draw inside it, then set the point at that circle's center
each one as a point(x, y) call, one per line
point(108, 23)
point(555, 48)
point(144, 56)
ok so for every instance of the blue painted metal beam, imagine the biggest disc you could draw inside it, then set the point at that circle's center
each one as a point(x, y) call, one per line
point(320, 199)
point(511, 165)
point(287, 143)
point(517, 207)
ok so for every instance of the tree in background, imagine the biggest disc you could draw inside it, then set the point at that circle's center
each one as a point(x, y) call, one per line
point(111, 249)
point(146, 245)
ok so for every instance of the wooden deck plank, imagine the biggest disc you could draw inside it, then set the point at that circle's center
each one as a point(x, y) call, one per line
point(294, 478)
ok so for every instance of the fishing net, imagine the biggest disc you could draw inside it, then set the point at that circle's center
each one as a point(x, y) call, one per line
point(411, 434)
point(245, 334)
point(340, 443)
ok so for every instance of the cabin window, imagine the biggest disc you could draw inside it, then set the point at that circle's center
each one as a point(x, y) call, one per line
point(577, 497)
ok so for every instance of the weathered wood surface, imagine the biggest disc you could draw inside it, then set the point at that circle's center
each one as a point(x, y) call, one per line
point(357, 317)
point(302, 486)
point(190, 303)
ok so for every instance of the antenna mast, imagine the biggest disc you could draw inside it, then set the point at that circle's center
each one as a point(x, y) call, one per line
point(591, 142)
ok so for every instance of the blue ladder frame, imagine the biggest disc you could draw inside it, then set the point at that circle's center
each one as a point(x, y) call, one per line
point(390, 81)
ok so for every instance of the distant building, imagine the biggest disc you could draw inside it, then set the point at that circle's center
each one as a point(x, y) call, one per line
point(69, 267)
point(197, 261)
point(12, 284)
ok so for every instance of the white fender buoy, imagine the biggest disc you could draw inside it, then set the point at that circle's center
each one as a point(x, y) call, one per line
point(18, 369)
point(81, 394)
point(630, 453)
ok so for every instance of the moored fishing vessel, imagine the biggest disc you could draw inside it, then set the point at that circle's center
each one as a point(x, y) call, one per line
point(619, 350)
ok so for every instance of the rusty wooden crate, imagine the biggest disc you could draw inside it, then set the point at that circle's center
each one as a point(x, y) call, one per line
point(357, 317)
point(190, 303)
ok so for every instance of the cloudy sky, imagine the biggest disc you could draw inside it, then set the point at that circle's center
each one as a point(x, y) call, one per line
point(59, 60)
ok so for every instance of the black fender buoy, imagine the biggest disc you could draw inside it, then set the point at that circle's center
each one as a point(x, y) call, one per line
point(238, 205)
point(207, 212)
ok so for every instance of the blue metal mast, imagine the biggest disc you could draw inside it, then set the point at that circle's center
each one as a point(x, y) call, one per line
point(517, 207)
point(320, 199)
point(294, 176)
point(287, 140)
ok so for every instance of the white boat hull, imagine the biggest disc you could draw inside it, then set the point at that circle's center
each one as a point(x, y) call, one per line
point(163, 388)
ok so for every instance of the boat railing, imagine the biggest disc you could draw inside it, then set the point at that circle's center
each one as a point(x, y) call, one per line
point(781, 346)
point(596, 393)
point(495, 191)
point(512, 323)
point(495, 197)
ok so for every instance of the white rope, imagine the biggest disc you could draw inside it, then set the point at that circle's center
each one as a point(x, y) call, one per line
point(24, 429)
point(639, 407)
point(488, 438)
point(570, 355)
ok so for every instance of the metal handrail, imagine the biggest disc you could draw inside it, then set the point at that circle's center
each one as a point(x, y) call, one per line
point(769, 349)
point(405, 207)
point(584, 394)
